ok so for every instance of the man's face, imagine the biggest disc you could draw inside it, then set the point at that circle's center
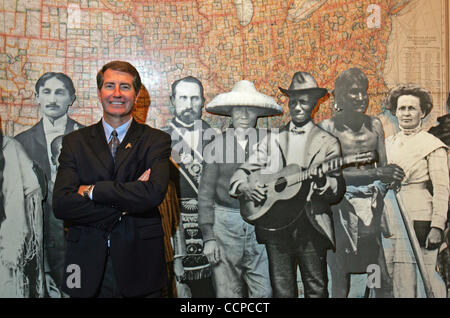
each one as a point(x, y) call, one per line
point(354, 98)
point(408, 111)
point(188, 102)
point(301, 107)
point(244, 117)
point(54, 98)
point(117, 94)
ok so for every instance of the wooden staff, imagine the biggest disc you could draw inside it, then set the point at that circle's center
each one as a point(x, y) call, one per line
point(415, 247)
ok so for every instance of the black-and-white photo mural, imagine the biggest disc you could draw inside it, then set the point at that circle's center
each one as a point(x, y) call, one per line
point(55, 93)
point(309, 149)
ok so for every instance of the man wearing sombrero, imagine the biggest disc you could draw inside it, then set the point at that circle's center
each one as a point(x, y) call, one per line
point(239, 263)
point(305, 240)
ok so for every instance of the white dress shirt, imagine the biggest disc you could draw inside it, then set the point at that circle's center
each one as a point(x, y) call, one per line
point(191, 136)
point(297, 144)
point(51, 131)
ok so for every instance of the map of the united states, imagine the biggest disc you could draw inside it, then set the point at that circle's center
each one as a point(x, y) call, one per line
point(218, 41)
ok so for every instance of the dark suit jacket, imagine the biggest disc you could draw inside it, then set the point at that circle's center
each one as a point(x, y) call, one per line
point(321, 146)
point(34, 142)
point(137, 249)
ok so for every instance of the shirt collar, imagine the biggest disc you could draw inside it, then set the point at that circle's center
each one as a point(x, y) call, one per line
point(59, 123)
point(412, 131)
point(182, 124)
point(306, 128)
point(121, 130)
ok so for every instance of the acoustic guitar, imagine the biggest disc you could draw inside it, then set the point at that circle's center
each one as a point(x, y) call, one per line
point(287, 191)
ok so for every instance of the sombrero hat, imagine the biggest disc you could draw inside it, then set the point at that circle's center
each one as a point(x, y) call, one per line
point(303, 82)
point(244, 94)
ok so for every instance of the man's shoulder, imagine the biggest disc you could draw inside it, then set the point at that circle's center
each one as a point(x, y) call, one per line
point(73, 123)
point(326, 124)
point(167, 129)
point(9, 142)
point(151, 135)
point(81, 132)
point(320, 131)
point(326, 136)
point(156, 132)
point(30, 132)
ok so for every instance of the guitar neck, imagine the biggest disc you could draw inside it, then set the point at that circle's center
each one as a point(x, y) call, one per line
point(328, 166)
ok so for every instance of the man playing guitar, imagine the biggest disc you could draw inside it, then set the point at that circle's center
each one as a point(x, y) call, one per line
point(304, 241)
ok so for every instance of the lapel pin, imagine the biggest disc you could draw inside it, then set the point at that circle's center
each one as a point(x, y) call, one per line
point(128, 146)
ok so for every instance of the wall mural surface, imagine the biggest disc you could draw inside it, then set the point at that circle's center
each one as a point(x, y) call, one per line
point(220, 42)
point(51, 51)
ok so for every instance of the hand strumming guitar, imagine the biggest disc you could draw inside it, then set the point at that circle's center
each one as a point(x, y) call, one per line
point(318, 177)
point(257, 192)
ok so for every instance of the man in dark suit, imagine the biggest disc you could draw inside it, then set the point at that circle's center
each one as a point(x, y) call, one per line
point(111, 178)
point(55, 93)
point(304, 240)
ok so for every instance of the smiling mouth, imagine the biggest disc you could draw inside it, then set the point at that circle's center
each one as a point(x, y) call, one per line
point(116, 103)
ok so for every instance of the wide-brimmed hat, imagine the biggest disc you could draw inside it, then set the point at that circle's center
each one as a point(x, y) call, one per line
point(244, 94)
point(303, 82)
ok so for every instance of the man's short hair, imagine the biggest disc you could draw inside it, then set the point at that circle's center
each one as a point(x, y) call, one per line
point(120, 66)
point(66, 80)
point(189, 79)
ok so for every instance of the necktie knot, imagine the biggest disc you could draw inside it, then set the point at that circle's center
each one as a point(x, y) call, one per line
point(114, 143)
point(297, 131)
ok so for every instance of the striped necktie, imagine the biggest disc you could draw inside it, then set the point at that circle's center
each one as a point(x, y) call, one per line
point(114, 143)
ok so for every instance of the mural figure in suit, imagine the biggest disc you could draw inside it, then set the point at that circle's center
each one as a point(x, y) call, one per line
point(191, 266)
point(55, 93)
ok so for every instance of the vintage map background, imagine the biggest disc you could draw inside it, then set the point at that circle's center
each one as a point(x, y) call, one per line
point(220, 42)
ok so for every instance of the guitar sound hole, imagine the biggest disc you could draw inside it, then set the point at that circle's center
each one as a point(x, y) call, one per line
point(280, 185)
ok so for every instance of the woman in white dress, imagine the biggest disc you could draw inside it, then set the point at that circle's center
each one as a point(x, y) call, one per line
point(423, 191)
